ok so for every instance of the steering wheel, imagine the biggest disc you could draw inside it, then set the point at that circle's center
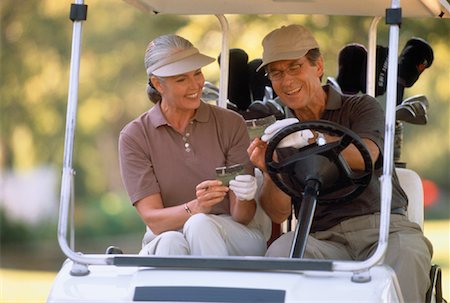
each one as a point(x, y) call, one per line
point(322, 163)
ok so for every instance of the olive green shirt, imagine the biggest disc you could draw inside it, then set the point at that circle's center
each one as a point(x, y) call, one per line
point(363, 115)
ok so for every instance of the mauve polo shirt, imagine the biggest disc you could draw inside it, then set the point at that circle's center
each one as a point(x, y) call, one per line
point(155, 158)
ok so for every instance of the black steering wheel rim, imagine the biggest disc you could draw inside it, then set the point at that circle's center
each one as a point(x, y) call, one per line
point(353, 181)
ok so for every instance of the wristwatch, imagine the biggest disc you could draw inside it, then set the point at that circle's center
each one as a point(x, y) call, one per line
point(320, 139)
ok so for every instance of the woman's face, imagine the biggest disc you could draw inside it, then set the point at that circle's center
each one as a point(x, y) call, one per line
point(181, 91)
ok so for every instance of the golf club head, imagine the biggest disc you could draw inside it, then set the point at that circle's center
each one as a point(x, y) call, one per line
point(275, 109)
point(414, 113)
point(421, 112)
point(257, 109)
point(268, 93)
point(332, 81)
point(210, 92)
point(404, 113)
point(420, 98)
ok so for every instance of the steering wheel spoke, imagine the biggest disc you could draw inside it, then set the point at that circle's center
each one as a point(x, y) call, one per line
point(361, 178)
point(344, 142)
point(324, 163)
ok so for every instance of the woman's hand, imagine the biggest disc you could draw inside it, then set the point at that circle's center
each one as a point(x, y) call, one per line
point(209, 193)
point(244, 187)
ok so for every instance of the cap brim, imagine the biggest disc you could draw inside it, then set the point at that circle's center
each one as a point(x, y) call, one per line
point(184, 65)
point(282, 56)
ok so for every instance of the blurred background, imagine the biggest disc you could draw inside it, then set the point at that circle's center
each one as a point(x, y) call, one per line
point(35, 56)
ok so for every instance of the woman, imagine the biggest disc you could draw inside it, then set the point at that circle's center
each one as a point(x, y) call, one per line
point(168, 157)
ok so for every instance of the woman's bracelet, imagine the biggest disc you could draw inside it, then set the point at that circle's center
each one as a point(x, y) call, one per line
point(187, 209)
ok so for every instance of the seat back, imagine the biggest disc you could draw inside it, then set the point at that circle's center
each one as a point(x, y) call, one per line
point(412, 185)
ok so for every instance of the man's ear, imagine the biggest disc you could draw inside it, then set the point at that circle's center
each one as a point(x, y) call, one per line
point(320, 66)
point(156, 82)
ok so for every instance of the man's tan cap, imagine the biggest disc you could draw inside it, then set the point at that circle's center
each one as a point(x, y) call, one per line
point(287, 43)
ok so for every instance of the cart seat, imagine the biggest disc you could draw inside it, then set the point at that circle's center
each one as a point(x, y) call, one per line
point(412, 185)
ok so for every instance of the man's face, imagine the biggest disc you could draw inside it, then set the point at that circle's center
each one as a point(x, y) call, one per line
point(296, 82)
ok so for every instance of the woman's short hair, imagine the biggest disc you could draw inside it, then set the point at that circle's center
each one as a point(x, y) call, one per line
point(158, 49)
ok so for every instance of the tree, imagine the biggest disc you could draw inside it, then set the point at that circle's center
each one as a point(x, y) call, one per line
point(35, 56)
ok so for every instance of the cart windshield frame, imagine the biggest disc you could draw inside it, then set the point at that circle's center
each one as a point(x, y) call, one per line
point(375, 8)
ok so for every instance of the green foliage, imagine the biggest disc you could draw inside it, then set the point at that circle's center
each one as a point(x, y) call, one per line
point(12, 231)
point(35, 57)
point(109, 215)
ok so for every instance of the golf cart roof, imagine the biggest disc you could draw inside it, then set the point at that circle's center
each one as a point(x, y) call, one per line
point(411, 8)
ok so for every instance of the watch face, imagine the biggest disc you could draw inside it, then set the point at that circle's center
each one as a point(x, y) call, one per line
point(228, 173)
point(321, 140)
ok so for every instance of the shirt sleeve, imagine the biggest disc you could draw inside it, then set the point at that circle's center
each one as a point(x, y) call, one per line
point(367, 120)
point(136, 169)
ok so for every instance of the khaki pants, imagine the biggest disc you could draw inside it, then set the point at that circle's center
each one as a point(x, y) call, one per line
point(207, 235)
point(408, 252)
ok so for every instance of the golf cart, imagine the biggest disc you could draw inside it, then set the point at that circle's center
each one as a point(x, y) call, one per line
point(116, 277)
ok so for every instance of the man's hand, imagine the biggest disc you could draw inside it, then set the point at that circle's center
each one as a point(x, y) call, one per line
point(244, 187)
point(296, 140)
point(256, 152)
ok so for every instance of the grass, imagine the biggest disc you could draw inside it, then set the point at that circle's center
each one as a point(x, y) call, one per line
point(23, 286)
point(438, 232)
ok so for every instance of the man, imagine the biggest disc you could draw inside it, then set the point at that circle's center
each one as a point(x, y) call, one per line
point(346, 231)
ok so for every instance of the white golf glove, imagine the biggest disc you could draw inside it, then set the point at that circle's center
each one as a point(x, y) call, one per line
point(244, 187)
point(296, 140)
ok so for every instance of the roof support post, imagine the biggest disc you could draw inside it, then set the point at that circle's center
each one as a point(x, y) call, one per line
point(393, 19)
point(388, 152)
point(78, 14)
point(372, 57)
point(224, 61)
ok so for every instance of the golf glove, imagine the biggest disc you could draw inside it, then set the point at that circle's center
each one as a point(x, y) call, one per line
point(296, 140)
point(244, 187)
